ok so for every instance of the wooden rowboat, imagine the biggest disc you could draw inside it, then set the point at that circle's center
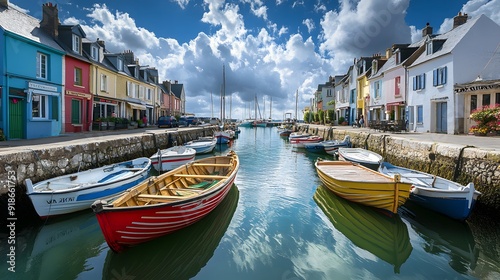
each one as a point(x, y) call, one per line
point(364, 157)
point(359, 184)
point(166, 203)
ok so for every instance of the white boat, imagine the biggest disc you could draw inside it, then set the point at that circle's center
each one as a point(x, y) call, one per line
point(172, 158)
point(202, 145)
point(298, 135)
point(77, 191)
point(436, 193)
point(299, 142)
point(223, 137)
point(331, 146)
point(364, 157)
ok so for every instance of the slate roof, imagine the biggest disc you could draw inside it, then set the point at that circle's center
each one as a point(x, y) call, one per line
point(450, 40)
point(17, 22)
point(177, 90)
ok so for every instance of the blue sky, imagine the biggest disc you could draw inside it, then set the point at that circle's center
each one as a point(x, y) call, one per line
point(271, 49)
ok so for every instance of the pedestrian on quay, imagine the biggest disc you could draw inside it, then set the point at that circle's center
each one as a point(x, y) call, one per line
point(361, 121)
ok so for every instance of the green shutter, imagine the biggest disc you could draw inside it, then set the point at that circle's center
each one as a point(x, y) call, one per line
point(75, 111)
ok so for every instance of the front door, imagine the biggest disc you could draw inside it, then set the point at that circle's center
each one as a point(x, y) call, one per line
point(16, 117)
point(441, 117)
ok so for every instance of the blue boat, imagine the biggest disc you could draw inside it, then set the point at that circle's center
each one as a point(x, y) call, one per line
point(436, 193)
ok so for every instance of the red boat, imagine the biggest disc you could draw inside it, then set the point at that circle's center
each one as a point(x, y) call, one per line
point(166, 203)
point(299, 142)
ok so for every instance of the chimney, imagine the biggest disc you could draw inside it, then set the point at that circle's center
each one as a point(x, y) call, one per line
point(101, 43)
point(4, 3)
point(50, 19)
point(459, 19)
point(427, 30)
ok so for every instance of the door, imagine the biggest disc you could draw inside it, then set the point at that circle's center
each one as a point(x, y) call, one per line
point(16, 118)
point(76, 111)
point(411, 118)
point(471, 100)
point(441, 117)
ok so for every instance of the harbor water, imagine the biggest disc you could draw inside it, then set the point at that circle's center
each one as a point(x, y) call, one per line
point(277, 222)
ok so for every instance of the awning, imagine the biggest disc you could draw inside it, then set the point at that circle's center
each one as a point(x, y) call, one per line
point(136, 106)
point(395, 103)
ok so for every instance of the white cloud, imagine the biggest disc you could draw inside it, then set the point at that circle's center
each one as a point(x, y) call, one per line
point(309, 23)
point(362, 28)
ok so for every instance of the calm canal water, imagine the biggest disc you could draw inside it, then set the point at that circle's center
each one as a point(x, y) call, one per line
point(276, 223)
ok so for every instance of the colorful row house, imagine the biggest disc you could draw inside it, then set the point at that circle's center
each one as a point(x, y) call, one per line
point(57, 81)
point(431, 85)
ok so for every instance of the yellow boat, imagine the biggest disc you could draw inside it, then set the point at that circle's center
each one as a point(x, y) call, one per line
point(385, 237)
point(359, 184)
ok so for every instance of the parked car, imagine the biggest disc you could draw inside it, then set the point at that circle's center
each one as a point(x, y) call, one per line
point(167, 121)
point(182, 122)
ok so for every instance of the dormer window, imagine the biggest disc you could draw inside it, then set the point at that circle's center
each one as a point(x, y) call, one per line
point(375, 66)
point(76, 43)
point(94, 52)
point(120, 64)
point(398, 58)
point(428, 48)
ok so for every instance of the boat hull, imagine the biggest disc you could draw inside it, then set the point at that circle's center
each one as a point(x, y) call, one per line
point(51, 203)
point(222, 137)
point(436, 193)
point(362, 185)
point(202, 147)
point(364, 157)
point(170, 158)
point(125, 226)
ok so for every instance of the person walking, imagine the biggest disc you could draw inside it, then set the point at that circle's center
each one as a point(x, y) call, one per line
point(361, 121)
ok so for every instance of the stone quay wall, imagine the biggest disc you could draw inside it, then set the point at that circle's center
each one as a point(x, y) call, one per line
point(459, 163)
point(43, 163)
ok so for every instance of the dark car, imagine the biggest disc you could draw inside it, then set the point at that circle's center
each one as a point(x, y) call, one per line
point(167, 121)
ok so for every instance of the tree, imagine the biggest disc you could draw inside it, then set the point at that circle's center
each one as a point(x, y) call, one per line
point(321, 115)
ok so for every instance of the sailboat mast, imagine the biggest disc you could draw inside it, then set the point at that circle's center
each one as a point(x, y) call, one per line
point(223, 93)
point(296, 104)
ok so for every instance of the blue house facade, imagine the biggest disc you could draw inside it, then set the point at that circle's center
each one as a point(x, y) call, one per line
point(31, 64)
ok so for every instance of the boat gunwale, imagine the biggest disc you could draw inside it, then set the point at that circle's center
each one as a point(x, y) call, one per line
point(88, 186)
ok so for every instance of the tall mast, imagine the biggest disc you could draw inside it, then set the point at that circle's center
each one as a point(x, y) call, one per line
point(296, 104)
point(223, 92)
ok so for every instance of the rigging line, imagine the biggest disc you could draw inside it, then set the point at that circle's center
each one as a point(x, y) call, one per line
point(491, 58)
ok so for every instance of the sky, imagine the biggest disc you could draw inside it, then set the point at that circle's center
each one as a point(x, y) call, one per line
point(275, 52)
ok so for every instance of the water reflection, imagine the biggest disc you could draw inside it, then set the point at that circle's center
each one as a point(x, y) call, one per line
point(385, 237)
point(49, 251)
point(179, 255)
point(443, 236)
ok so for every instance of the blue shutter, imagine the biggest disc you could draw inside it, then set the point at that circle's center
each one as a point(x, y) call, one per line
point(435, 73)
point(423, 81)
point(444, 75)
point(415, 83)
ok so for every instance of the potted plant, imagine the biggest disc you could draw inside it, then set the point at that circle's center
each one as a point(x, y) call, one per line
point(132, 124)
point(111, 123)
point(140, 123)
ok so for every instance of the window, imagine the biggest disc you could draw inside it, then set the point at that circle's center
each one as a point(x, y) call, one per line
point(428, 48)
point(473, 102)
point(376, 89)
point(486, 100)
point(420, 114)
point(104, 83)
point(78, 77)
point(497, 98)
point(397, 85)
point(439, 76)
point(94, 52)
point(120, 65)
point(419, 82)
point(329, 92)
point(41, 66)
point(149, 94)
point(76, 43)
point(353, 95)
point(39, 106)
point(141, 92)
